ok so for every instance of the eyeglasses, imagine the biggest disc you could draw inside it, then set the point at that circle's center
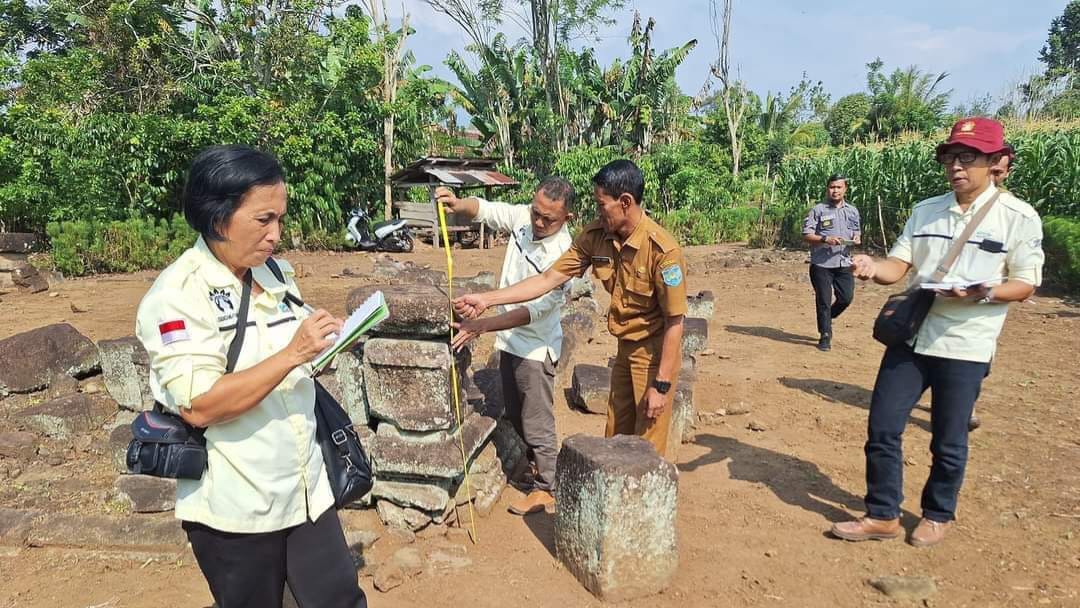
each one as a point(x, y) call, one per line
point(965, 158)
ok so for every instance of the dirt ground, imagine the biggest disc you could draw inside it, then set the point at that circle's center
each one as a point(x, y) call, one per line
point(753, 505)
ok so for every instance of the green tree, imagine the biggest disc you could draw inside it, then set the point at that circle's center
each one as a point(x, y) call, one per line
point(1061, 53)
point(905, 100)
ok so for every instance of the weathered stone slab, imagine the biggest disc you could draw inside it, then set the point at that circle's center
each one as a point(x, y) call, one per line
point(435, 455)
point(695, 335)
point(119, 438)
point(404, 564)
point(63, 417)
point(408, 383)
point(489, 383)
point(415, 310)
point(580, 287)
point(431, 496)
point(11, 261)
point(350, 380)
point(615, 524)
point(701, 306)
point(125, 367)
point(31, 360)
point(146, 494)
point(577, 331)
point(591, 387)
point(101, 531)
point(18, 242)
point(15, 525)
point(509, 446)
point(683, 410)
point(401, 517)
point(29, 280)
point(18, 445)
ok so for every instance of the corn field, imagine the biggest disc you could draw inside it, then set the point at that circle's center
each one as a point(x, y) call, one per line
point(885, 181)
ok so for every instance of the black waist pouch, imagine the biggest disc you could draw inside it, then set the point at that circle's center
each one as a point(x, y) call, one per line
point(166, 446)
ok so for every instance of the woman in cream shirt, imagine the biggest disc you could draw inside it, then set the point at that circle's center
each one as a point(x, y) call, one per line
point(261, 515)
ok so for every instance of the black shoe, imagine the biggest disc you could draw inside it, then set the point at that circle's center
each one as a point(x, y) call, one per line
point(825, 343)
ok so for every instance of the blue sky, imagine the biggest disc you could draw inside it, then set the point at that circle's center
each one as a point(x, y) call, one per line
point(986, 47)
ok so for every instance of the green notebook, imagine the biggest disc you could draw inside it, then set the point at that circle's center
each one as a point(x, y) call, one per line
point(366, 316)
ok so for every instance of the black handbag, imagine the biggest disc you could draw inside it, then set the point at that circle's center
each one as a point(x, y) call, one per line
point(163, 444)
point(347, 466)
point(903, 313)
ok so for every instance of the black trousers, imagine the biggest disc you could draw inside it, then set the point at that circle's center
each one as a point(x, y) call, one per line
point(250, 570)
point(903, 377)
point(827, 282)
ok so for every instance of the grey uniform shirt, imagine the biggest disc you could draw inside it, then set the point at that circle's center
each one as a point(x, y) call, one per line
point(826, 219)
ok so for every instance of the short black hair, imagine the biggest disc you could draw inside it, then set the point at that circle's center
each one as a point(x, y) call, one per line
point(559, 189)
point(621, 177)
point(836, 177)
point(218, 179)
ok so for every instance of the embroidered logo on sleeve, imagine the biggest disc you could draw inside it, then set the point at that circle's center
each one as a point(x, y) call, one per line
point(672, 275)
point(173, 331)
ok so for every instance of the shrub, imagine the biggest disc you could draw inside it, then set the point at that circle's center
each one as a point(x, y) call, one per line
point(1062, 246)
point(86, 246)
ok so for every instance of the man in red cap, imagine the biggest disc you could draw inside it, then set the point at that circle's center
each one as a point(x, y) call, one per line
point(1001, 262)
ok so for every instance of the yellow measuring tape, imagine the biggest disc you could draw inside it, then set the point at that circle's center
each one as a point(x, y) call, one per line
point(453, 370)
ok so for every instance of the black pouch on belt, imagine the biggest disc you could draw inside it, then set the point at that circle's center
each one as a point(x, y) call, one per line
point(164, 445)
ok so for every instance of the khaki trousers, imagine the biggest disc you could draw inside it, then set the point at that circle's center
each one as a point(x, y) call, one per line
point(636, 366)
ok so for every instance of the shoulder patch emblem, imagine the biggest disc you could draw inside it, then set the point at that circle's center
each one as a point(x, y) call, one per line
point(672, 275)
point(222, 299)
point(173, 331)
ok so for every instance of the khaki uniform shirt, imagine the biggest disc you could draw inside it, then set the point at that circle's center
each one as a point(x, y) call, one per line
point(265, 471)
point(645, 275)
point(526, 257)
point(1006, 244)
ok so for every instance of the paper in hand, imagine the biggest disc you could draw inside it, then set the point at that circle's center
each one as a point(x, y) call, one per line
point(366, 316)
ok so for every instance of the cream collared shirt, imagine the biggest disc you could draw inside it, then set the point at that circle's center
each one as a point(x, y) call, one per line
point(526, 257)
point(265, 471)
point(1007, 244)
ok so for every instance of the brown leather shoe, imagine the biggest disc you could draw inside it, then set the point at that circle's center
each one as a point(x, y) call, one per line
point(534, 502)
point(866, 528)
point(928, 533)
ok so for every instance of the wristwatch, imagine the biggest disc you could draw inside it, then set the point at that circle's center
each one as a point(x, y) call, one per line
point(661, 386)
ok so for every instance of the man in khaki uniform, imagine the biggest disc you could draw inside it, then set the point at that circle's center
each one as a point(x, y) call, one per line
point(642, 267)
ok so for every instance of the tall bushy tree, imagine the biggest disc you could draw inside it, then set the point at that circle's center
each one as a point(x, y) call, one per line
point(905, 100)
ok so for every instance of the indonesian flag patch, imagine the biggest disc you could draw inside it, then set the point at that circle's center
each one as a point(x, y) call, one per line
point(173, 331)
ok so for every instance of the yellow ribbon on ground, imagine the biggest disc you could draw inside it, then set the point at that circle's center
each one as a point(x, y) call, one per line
point(453, 369)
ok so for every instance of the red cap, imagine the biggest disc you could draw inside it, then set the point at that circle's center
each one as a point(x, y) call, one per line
point(982, 134)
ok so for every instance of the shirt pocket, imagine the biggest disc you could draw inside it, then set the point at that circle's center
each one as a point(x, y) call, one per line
point(986, 260)
point(603, 272)
point(638, 294)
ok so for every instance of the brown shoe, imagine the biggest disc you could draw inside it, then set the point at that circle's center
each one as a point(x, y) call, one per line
point(866, 528)
point(534, 502)
point(928, 533)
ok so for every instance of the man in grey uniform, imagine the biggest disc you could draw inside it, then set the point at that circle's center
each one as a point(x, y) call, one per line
point(831, 228)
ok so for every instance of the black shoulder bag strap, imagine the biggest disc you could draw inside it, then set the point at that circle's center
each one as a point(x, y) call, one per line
point(272, 264)
point(234, 346)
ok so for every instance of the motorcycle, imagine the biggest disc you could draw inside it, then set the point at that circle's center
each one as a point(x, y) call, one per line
point(390, 235)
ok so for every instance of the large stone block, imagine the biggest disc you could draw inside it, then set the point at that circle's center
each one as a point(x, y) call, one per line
point(683, 410)
point(30, 361)
point(125, 367)
point(100, 531)
point(415, 310)
point(615, 525)
point(63, 417)
point(146, 494)
point(18, 445)
point(11, 261)
point(29, 280)
point(424, 495)
point(591, 387)
point(350, 380)
point(408, 518)
point(577, 331)
point(435, 455)
point(18, 242)
point(695, 335)
point(701, 306)
point(408, 383)
point(119, 438)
